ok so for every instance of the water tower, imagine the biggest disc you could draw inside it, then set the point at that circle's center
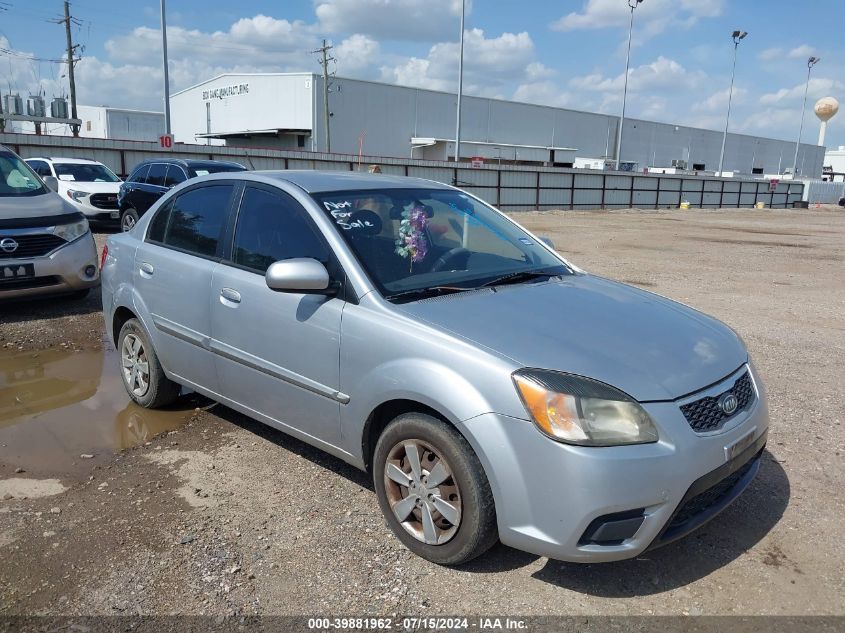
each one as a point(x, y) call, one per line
point(825, 108)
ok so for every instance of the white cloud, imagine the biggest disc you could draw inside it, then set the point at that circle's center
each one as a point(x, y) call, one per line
point(653, 16)
point(770, 54)
point(543, 93)
point(357, 54)
point(803, 51)
point(424, 20)
point(718, 101)
point(819, 87)
point(661, 74)
point(489, 64)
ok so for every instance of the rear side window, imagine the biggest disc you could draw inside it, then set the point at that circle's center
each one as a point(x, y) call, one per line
point(157, 175)
point(197, 218)
point(272, 226)
point(140, 174)
point(158, 225)
point(175, 175)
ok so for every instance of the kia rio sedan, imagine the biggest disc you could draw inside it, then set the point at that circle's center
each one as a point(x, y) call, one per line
point(491, 388)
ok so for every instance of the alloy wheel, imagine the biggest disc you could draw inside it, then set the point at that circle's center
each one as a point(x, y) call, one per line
point(127, 223)
point(422, 492)
point(135, 366)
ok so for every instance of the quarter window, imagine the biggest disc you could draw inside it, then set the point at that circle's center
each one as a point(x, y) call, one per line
point(158, 173)
point(272, 226)
point(158, 225)
point(140, 174)
point(197, 218)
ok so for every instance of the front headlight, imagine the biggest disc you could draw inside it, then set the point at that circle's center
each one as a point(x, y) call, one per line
point(72, 231)
point(578, 410)
point(75, 195)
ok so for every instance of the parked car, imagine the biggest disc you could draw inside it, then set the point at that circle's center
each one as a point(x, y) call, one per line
point(90, 186)
point(45, 244)
point(492, 389)
point(842, 202)
point(151, 179)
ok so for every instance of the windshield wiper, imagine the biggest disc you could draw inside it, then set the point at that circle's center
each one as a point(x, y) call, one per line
point(518, 277)
point(422, 293)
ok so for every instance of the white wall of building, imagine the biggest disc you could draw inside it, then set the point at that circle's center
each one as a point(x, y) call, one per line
point(103, 122)
point(240, 102)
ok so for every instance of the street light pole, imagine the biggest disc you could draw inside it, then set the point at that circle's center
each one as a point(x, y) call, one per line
point(810, 63)
point(737, 37)
point(166, 71)
point(460, 85)
point(633, 4)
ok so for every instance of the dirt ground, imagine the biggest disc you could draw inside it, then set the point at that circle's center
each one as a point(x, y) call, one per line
point(210, 513)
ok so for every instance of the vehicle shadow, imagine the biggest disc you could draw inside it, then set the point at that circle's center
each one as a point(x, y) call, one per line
point(50, 307)
point(294, 445)
point(739, 528)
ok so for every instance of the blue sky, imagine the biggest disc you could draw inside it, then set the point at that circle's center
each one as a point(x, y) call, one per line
point(567, 53)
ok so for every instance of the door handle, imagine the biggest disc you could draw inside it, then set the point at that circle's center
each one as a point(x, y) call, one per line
point(147, 270)
point(230, 295)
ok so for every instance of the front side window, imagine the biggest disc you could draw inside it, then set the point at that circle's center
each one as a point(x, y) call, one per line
point(196, 220)
point(40, 167)
point(18, 179)
point(157, 175)
point(84, 172)
point(271, 227)
point(416, 239)
point(140, 174)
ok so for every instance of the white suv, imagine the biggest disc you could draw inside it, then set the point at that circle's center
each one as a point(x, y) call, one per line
point(90, 186)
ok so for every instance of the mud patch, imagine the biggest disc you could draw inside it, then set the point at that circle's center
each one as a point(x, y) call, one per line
point(63, 412)
point(638, 282)
point(21, 488)
point(753, 242)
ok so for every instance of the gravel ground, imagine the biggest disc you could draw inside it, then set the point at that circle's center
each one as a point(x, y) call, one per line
point(225, 516)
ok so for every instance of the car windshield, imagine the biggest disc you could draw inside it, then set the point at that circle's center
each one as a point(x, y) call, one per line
point(18, 179)
point(214, 169)
point(412, 240)
point(84, 172)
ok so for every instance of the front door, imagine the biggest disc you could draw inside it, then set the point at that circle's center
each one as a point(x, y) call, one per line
point(277, 352)
point(173, 272)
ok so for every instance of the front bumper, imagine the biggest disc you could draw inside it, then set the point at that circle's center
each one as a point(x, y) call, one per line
point(549, 495)
point(59, 272)
point(98, 214)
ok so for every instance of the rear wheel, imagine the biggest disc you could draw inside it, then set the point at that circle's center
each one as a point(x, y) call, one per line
point(433, 491)
point(142, 374)
point(129, 219)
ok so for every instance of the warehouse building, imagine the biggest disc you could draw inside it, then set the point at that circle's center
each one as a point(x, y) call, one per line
point(285, 110)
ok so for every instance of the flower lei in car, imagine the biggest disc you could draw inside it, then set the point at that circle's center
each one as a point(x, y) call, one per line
point(412, 242)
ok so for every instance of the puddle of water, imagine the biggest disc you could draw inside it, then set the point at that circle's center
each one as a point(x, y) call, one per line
point(56, 405)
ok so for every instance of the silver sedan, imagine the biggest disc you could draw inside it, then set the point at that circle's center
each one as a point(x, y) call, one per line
point(492, 389)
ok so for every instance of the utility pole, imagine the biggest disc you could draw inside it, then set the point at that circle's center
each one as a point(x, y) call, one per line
point(70, 62)
point(460, 85)
point(166, 71)
point(324, 62)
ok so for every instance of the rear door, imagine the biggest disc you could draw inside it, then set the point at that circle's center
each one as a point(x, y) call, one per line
point(131, 191)
point(173, 272)
point(277, 352)
point(152, 189)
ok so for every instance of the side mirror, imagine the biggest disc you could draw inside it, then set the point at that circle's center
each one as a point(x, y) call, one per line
point(52, 183)
point(300, 274)
point(548, 242)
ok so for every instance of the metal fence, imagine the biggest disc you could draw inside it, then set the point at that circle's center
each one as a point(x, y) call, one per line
point(509, 187)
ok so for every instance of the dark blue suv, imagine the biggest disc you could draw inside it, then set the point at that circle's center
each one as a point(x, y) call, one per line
point(152, 178)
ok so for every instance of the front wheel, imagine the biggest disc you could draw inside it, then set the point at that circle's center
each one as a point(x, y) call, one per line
point(142, 374)
point(129, 219)
point(433, 491)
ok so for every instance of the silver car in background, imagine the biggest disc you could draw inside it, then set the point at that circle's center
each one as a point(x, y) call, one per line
point(492, 389)
point(46, 246)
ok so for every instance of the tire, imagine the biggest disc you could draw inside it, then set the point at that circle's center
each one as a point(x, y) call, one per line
point(159, 390)
point(466, 488)
point(128, 219)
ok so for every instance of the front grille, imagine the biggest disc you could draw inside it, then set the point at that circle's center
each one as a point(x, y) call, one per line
point(32, 282)
point(706, 415)
point(712, 496)
point(104, 200)
point(32, 245)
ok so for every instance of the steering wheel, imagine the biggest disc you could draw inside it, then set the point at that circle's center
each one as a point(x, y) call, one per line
point(447, 258)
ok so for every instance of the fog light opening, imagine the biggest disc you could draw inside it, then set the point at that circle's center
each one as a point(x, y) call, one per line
point(90, 270)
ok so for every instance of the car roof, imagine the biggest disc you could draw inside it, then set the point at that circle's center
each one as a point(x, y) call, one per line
point(190, 162)
point(62, 159)
point(314, 181)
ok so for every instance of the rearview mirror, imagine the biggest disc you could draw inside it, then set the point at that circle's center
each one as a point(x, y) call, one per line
point(300, 274)
point(51, 182)
point(548, 242)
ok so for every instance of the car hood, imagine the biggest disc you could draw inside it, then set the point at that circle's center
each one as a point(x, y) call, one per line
point(644, 344)
point(15, 207)
point(90, 187)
